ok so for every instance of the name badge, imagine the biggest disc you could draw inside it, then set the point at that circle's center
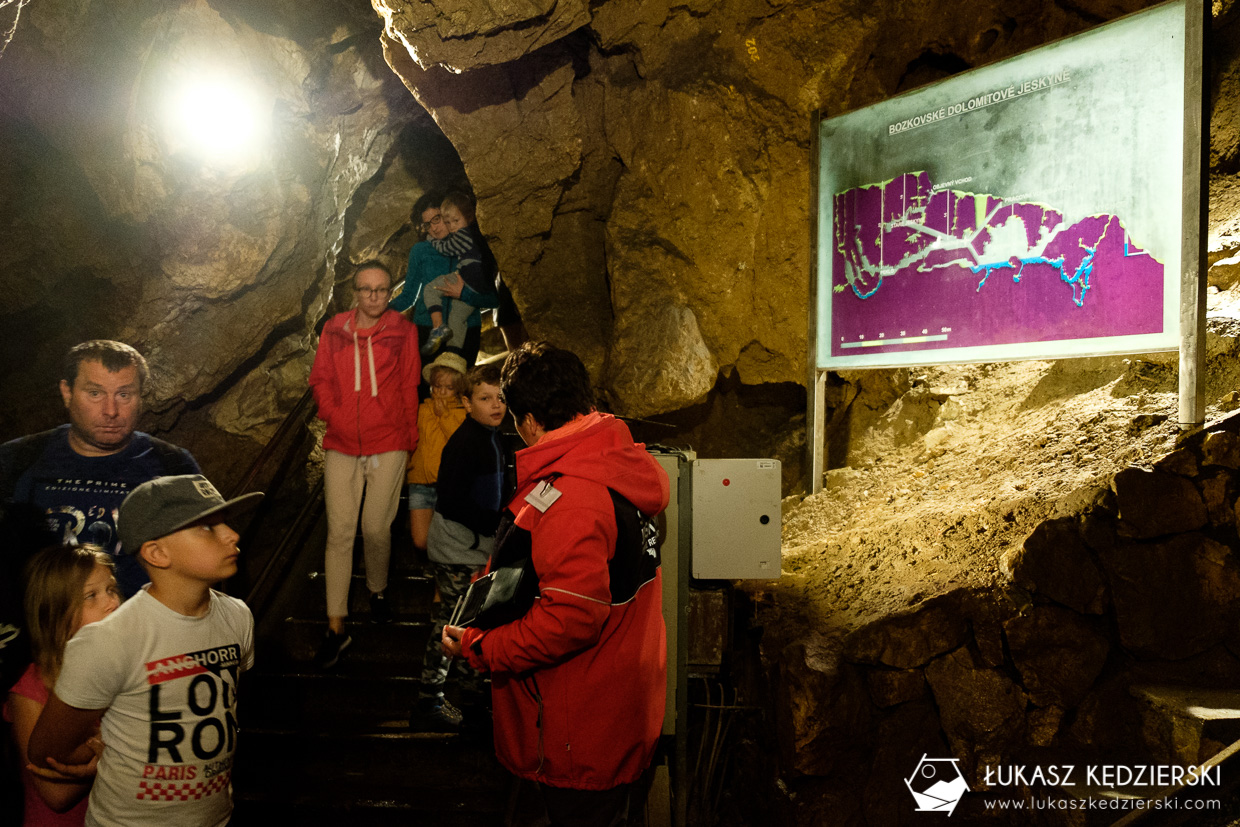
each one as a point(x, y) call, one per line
point(543, 495)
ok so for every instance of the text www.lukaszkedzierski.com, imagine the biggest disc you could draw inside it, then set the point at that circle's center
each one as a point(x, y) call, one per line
point(1104, 804)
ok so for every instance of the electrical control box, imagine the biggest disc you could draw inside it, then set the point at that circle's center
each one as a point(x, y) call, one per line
point(736, 524)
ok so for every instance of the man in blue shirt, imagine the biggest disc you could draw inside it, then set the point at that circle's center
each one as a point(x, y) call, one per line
point(66, 484)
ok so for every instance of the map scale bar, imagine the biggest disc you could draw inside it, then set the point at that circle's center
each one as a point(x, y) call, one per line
point(907, 340)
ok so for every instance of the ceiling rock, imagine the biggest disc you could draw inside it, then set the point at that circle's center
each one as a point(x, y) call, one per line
point(215, 266)
point(463, 34)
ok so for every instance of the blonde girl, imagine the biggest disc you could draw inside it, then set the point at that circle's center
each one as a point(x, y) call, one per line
point(67, 587)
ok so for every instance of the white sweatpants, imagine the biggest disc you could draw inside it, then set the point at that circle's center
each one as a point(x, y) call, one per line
point(345, 478)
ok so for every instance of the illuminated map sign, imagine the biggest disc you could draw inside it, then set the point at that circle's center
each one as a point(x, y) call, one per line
point(1026, 210)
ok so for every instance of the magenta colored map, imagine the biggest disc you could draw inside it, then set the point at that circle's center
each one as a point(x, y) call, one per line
point(918, 267)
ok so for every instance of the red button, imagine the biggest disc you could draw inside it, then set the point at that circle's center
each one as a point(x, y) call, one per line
point(727, 481)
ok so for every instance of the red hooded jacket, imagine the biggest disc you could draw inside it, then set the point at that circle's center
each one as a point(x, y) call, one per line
point(578, 683)
point(366, 384)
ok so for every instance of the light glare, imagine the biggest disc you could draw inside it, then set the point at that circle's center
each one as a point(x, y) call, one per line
point(217, 118)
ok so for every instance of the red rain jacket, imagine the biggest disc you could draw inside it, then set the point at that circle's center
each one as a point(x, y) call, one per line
point(578, 683)
point(366, 384)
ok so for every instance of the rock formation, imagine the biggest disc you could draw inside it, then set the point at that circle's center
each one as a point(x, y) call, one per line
point(648, 164)
point(218, 266)
point(643, 171)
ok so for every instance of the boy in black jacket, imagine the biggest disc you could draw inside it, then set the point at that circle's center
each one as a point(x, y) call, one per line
point(462, 533)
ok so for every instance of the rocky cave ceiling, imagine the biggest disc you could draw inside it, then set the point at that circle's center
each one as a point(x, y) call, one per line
point(642, 169)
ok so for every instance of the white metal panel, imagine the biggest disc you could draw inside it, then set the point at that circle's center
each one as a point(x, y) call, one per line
point(736, 519)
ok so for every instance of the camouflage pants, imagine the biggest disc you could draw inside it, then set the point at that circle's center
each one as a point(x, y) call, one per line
point(452, 581)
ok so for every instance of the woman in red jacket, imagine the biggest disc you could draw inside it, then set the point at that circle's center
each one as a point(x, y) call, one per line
point(578, 683)
point(365, 380)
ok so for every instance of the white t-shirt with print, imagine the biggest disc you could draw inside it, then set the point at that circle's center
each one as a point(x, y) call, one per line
point(169, 683)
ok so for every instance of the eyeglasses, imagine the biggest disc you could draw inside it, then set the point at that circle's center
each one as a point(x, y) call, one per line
point(374, 291)
point(434, 222)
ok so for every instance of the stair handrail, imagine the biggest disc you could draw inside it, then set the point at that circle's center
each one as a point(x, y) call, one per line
point(294, 416)
point(297, 421)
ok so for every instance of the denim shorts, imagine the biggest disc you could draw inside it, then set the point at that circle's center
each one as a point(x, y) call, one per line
point(422, 496)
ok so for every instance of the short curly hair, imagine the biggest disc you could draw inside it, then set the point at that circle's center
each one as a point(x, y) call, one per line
point(479, 375)
point(549, 382)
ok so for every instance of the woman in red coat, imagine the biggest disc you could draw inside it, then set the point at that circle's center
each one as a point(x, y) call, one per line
point(578, 683)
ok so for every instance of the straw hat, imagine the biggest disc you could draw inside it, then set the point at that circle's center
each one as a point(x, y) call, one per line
point(446, 359)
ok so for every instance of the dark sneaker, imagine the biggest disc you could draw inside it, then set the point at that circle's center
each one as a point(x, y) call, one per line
point(435, 715)
point(438, 336)
point(380, 611)
point(331, 648)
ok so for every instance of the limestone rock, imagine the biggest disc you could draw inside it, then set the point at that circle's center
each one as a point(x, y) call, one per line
point(1059, 654)
point(824, 711)
point(464, 34)
point(911, 416)
point(1097, 496)
point(662, 362)
point(1221, 448)
point(255, 405)
point(1180, 461)
point(1098, 530)
point(714, 262)
point(1109, 717)
point(551, 251)
point(981, 708)
point(1055, 562)
point(1218, 492)
point(908, 641)
point(1154, 503)
point(1173, 599)
point(1044, 725)
point(889, 687)
point(204, 260)
point(903, 735)
point(385, 215)
point(986, 611)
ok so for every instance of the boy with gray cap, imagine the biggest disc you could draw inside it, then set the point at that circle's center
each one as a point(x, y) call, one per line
point(162, 673)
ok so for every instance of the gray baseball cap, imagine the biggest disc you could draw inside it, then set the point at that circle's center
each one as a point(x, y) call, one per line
point(168, 504)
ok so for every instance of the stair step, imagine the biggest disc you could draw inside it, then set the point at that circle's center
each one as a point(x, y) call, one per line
point(410, 765)
point(399, 642)
point(377, 807)
point(353, 691)
point(409, 595)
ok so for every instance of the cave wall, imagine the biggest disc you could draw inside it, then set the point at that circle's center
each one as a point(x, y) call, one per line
point(647, 164)
point(218, 269)
point(1131, 586)
point(642, 169)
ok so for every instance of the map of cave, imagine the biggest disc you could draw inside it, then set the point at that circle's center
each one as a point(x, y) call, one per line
point(918, 267)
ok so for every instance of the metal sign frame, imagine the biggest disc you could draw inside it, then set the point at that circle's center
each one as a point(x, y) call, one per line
point(1192, 241)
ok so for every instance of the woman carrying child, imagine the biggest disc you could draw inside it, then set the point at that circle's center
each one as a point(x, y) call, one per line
point(438, 418)
point(67, 587)
point(426, 264)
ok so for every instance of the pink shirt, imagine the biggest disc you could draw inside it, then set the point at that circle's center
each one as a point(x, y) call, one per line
point(38, 814)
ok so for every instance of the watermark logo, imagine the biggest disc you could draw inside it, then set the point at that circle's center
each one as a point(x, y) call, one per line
point(937, 785)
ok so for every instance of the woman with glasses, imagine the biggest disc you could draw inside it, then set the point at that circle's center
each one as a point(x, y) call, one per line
point(365, 380)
